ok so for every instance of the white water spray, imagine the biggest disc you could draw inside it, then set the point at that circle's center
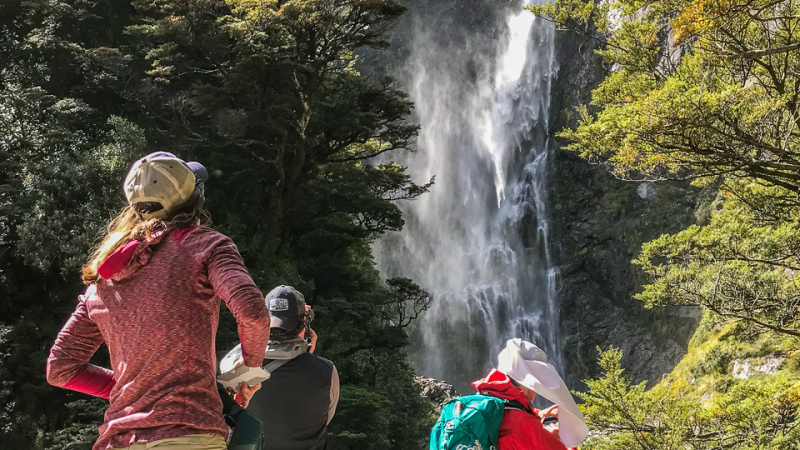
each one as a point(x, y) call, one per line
point(479, 240)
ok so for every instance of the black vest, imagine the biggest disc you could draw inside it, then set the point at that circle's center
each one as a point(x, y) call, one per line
point(294, 403)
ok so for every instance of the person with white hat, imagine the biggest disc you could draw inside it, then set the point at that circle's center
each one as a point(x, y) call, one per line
point(153, 294)
point(522, 373)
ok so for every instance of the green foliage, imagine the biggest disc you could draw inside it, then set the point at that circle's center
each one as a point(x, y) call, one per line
point(757, 413)
point(726, 108)
point(268, 96)
point(268, 92)
point(61, 160)
point(81, 431)
point(389, 414)
point(53, 165)
point(355, 405)
point(740, 265)
point(707, 91)
point(638, 418)
point(718, 360)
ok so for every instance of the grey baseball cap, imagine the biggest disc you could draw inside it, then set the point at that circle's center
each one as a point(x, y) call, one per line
point(286, 307)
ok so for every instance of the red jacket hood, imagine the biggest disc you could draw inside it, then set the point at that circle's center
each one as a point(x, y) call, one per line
point(497, 384)
point(135, 254)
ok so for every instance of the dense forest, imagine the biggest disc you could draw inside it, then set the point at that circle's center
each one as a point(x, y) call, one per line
point(265, 94)
point(704, 91)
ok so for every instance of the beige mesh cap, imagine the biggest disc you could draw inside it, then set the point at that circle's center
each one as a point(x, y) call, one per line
point(162, 178)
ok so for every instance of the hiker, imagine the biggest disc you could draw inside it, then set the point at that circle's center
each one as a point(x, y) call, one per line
point(298, 401)
point(153, 293)
point(522, 373)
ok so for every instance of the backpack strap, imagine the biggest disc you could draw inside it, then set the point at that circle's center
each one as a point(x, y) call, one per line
point(508, 404)
point(229, 406)
point(275, 364)
point(514, 406)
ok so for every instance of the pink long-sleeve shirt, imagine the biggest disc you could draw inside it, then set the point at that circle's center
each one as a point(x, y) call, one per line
point(157, 310)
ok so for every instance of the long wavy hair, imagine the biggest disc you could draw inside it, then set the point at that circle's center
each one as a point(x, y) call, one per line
point(133, 222)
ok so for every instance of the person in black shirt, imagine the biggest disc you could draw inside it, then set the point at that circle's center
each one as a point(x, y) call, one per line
point(298, 401)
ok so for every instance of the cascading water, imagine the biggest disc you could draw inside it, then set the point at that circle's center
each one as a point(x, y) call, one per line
point(479, 240)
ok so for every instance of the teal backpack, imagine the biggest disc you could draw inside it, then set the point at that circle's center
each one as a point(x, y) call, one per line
point(248, 434)
point(248, 430)
point(470, 423)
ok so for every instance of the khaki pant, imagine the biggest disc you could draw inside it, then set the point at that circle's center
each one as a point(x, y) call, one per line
point(188, 442)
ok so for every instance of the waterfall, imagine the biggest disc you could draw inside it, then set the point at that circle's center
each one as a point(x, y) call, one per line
point(479, 240)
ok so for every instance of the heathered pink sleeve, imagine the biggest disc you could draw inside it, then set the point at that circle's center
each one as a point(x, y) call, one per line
point(230, 279)
point(68, 365)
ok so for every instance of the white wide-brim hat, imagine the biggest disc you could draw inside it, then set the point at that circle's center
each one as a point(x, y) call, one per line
point(527, 364)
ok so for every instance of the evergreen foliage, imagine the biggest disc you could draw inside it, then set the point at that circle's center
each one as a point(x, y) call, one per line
point(268, 96)
point(684, 411)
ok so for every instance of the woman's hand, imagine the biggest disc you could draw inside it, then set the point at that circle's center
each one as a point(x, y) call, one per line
point(245, 393)
point(550, 412)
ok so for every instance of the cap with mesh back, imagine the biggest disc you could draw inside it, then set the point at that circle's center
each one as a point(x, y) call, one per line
point(165, 179)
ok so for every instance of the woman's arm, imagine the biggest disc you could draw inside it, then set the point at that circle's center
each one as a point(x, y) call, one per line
point(68, 365)
point(231, 281)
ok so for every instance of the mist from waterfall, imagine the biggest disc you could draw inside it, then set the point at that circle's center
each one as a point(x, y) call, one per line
point(479, 240)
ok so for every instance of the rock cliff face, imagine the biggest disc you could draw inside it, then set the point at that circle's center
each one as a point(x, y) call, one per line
point(599, 225)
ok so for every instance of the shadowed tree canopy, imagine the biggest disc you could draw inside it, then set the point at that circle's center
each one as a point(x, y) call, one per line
point(274, 84)
point(268, 95)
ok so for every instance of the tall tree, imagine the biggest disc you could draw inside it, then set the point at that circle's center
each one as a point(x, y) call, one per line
point(708, 91)
point(270, 83)
point(61, 160)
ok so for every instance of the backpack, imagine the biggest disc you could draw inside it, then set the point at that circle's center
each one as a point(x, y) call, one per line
point(248, 434)
point(470, 423)
point(248, 430)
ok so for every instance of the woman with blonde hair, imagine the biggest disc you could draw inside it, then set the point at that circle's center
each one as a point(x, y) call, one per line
point(153, 293)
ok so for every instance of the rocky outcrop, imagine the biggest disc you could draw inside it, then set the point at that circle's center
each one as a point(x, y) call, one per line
point(599, 225)
point(437, 392)
point(749, 367)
